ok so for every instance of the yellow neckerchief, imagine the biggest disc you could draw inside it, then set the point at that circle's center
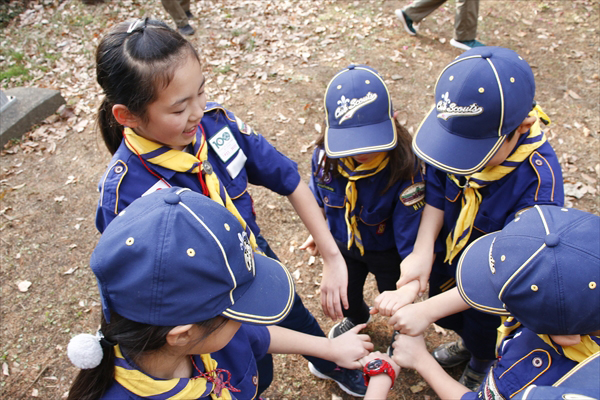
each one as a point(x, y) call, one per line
point(577, 353)
point(347, 168)
point(471, 199)
point(143, 385)
point(182, 161)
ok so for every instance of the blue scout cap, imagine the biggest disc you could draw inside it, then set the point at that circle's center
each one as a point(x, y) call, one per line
point(359, 113)
point(176, 257)
point(482, 96)
point(543, 268)
point(580, 383)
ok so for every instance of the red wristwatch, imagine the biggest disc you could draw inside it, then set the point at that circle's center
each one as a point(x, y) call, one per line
point(378, 366)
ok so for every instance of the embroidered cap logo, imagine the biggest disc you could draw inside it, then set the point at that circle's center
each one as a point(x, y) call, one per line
point(247, 249)
point(447, 109)
point(348, 106)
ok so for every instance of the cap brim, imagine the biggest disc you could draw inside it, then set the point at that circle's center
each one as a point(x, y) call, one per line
point(450, 152)
point(269, 297)
point(474, 277)
point(346, 142)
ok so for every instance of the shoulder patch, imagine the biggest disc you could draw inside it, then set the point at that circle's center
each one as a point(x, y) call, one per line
point(224, 144)
point(244, 128)
point(490, 389)
point(413, 194)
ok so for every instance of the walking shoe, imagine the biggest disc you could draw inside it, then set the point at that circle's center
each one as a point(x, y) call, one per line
point(451, 354)
point(186, 30)
point(471, 378)
point(466, 45)
point(390, 349)
point(189, 14)
point(350, 381)
point(342, 327)
point(407, 23)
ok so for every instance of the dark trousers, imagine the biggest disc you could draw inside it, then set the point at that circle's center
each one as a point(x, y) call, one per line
point(299, 319)
point(385, 265)
point(477, 329)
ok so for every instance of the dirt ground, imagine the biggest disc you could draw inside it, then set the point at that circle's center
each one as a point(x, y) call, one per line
point(269, 62)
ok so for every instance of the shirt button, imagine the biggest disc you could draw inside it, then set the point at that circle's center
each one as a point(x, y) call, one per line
point(537, 362)
point(326, 199)
point(118, 169)
point(539, 163)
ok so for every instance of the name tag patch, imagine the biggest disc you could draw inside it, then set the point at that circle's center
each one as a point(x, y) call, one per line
point(224, 144)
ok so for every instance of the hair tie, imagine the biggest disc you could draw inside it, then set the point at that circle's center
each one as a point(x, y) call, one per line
point(138, 25)
point(86, 351)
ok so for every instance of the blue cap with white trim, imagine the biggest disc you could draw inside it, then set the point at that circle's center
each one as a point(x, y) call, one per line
point(359, 113)
point(543, 268)
point(481, 96)
point(176, 257)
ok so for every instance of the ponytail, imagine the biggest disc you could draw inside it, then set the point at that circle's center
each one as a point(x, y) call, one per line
point(111, 130)
point(134, 339)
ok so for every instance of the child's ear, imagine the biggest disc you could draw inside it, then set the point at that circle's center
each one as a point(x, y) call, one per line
point(180, 335)
point(526, 124)
point(124, 116)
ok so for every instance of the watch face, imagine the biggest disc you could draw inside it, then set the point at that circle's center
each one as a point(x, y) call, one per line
point(374, 364)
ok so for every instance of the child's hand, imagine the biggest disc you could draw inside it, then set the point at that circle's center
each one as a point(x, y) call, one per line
point(310, 246)
point(411, 320)
point(408, 350)
point(350, 347)
point(387, 303)
point(416, 266)
point(377, 354)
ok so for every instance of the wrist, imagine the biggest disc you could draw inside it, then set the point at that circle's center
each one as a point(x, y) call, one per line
point(378, 367)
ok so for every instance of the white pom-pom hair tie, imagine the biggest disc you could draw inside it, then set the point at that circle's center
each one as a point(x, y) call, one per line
point(85, 350)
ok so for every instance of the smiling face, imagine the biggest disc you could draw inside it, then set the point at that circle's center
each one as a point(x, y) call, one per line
point(172, 119)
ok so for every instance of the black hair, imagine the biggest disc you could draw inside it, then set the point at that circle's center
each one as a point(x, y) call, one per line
point(402, 165)
point(132, 65)
point(134, 340)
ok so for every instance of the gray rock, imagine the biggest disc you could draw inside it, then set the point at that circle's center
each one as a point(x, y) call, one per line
point(30, 107)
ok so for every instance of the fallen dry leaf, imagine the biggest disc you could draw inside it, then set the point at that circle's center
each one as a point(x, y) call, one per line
point(23, 286)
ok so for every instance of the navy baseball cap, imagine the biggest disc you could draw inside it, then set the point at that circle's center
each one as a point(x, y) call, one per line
point(359, 113)
point(176, 257)
point(481, 97)
point(580, 383)
point(543, 268)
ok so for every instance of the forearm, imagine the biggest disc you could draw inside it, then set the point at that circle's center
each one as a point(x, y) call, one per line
point(379, 387)
point(443, 384)
point(287, 341)
point(309, 212)
point(444, 304)
point(430, 226)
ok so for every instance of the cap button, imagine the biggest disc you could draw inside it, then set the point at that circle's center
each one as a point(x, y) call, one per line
point(172, 198)
point(351, 66)
point(552, 240)
point(486, 54)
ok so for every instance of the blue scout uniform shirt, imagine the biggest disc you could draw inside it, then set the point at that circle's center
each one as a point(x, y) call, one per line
point(237, 154)
point(537, 180)
point(238, 357)
point(523, 359)
point(385, 220)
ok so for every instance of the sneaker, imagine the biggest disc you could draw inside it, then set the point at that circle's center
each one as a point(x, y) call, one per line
point(407, 23)
point(186, 30)
point(390, 349)
point(471, 378)
point(189, 14)
point(342, 327)
point(466, 45)
point(451, 354)
point(350, 381)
